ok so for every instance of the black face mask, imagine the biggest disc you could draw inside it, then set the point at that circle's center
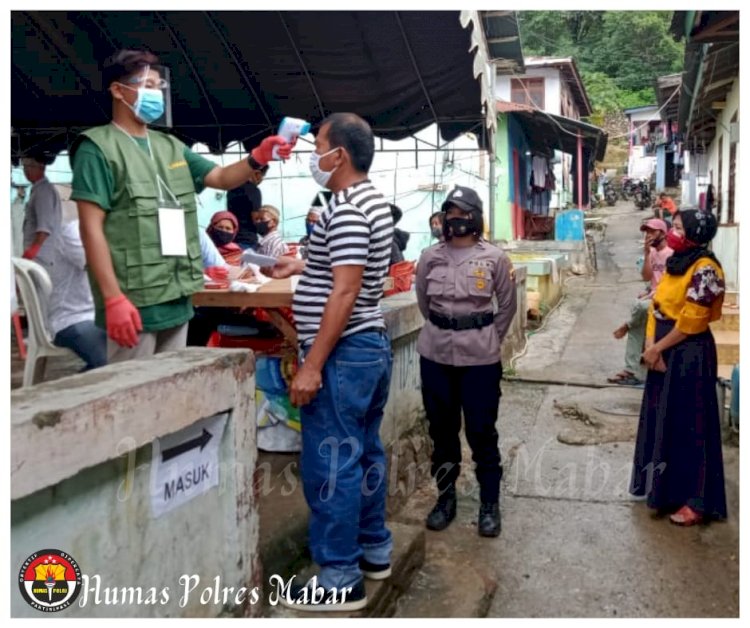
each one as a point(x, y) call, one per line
point(262, 228)
point(219, 237)
point(457, 227)
point(437, 232)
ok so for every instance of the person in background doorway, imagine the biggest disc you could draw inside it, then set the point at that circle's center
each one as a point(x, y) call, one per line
point(466, 292)
point(43, 213)
point(655, 255)
point(266, 221)
point(677, 461)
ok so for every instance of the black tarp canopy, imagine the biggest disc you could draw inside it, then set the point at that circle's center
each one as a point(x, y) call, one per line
point(235, 74)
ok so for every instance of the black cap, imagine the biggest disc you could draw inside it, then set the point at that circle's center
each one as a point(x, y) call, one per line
point(463, 198)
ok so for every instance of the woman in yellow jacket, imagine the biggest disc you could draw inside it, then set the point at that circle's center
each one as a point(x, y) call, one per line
point(678, 462)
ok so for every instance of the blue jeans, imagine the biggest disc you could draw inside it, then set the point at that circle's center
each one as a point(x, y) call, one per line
point(87, 340)
point(343, 461)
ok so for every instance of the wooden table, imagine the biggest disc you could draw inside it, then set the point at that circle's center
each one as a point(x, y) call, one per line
point(271, 296)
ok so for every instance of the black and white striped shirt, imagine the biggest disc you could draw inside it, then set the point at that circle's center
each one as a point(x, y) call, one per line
point(355, 229)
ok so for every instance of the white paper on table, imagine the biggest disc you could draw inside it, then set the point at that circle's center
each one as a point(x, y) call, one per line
point(294, 279)
point(241, 286)
point(256, 271)
point(172, 231)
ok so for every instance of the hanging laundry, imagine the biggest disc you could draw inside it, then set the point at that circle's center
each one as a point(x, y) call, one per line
point(539, 168)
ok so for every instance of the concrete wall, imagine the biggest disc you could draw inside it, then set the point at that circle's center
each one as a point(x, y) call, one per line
point(726, 246)
point(726, 242)
point(504, 169)
point(81, 462)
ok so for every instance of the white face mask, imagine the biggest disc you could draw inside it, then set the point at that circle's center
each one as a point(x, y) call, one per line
point(321, 176)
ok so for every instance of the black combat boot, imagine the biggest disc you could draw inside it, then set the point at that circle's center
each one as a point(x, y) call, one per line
point(444, 511)
point(489, 520)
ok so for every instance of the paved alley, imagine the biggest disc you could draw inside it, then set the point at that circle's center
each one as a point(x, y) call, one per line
point(574, 543)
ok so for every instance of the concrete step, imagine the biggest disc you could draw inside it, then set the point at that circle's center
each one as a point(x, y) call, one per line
point(458, 578)
point(283, 514)
point(729, 321)
point(731, 298)
point(727, 346)
point(448, 584)
point(382, 595)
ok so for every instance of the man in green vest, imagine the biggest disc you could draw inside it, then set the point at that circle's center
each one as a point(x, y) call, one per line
point(135, 190)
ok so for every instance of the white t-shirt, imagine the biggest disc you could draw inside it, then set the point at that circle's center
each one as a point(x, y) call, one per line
point(70, 301)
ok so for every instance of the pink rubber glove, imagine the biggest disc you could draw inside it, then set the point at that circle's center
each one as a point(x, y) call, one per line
point(32, 251)
point(263, 153)
point(217, 273)
point(123, 321)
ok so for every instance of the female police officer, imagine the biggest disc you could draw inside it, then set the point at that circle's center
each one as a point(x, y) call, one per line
point(466, 293)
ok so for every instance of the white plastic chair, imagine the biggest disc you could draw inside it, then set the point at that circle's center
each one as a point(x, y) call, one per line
point(35, 287)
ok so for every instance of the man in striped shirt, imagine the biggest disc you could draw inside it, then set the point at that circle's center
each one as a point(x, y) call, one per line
point(342, 384)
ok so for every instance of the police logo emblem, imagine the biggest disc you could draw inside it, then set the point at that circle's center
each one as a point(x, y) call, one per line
point(50, 580)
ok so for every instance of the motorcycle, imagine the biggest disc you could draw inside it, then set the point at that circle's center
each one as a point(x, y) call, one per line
point(643, 195)
point(627, 188)
point(610, 194)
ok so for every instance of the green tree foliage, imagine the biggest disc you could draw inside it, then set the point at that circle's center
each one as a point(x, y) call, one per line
point(619, 53)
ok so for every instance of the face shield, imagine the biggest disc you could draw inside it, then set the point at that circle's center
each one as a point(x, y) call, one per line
point(153, 104)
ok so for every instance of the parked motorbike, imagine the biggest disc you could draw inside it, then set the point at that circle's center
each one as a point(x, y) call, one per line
point(642, 197)
point(610, 194)
point(627, 188)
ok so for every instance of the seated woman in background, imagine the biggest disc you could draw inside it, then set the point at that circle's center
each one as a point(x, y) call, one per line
point(222, 230)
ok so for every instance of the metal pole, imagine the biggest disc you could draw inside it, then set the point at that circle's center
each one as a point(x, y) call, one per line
point(580, 171)
point(493, 78)
point(492, 186)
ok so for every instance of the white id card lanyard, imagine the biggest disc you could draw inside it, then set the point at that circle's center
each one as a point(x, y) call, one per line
point(171, 219)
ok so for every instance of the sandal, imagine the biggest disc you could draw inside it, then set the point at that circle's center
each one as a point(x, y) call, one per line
point(619, 376)
point(686, 517)
point(629, 381)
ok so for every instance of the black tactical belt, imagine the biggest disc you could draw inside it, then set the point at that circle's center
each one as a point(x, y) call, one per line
point(472, 321)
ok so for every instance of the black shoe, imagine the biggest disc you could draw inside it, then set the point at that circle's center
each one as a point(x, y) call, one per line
point(374, 571)
point(444, 511)
point(313, 597)
point(489, 520)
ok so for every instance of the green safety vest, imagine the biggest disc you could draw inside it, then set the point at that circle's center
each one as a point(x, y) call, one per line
point(146, 276)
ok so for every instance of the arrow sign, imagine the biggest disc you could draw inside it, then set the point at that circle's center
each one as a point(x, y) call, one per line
point(201, 441)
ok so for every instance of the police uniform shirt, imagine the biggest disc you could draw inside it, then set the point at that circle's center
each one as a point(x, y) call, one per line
point(458, 282)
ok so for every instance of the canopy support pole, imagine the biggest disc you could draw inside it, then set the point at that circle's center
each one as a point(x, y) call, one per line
point(580, 171)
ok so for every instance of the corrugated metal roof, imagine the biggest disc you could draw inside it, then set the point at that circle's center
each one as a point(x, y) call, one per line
point(503, 40)
point(545, 130)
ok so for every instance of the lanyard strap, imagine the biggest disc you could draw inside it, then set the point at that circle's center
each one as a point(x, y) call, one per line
point(160, 183)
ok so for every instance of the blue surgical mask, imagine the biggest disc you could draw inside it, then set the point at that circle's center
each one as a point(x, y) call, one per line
point(309, 226)
point(149, 105)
